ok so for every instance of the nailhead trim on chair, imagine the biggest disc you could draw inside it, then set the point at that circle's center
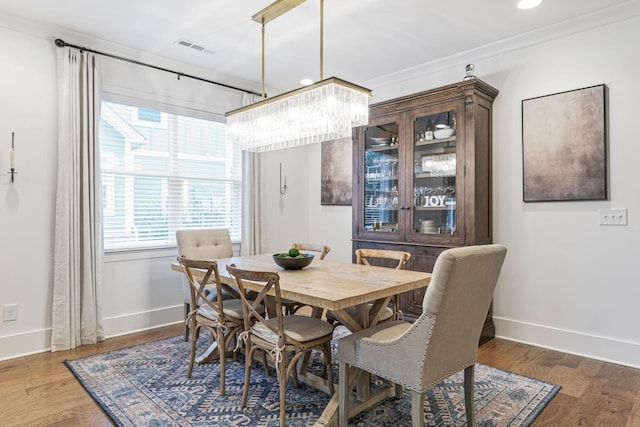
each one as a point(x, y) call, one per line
point(414, 325)
point(403, 337)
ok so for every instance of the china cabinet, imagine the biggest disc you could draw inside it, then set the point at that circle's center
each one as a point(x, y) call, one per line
point(422, 177)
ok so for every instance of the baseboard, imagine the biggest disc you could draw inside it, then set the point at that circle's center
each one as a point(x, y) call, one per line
point(594, 347)
point(25, 344)
point(39, 341)
point(142, 321)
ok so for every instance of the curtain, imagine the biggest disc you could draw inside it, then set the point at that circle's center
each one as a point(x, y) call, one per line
point(77, 276)
point(251, 194)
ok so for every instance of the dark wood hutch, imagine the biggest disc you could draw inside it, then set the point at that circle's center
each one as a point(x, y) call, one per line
point(422, 177)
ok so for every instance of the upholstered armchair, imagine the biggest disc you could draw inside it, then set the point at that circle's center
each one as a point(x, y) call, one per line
point(203, 244)
point(441, 342)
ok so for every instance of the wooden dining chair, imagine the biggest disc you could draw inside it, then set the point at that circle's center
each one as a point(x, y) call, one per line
point(284, 338)
point(292, 307)
point(222, 317)
point(380, 257)
point(203, 244)
point(441, 342)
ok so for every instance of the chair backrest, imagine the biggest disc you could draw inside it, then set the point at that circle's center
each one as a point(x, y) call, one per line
point(252, 308)
point(458, 298)
point(313, 247)
point(197, 286)
point(204, 243)
point(367, 256)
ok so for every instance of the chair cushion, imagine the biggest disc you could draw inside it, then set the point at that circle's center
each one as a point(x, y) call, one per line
point(297, 327)
point(388, 331)
point(232, 307)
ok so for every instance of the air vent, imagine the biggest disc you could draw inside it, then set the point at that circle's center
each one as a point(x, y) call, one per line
point(198, 48)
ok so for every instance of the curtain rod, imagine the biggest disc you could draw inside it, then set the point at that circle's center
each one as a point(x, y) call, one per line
point(62, 43)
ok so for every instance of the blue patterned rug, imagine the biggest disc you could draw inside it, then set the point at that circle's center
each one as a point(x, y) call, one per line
point(146, 385)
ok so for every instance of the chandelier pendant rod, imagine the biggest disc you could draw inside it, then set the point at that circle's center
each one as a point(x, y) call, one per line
point(264, 96)
point(321, 39)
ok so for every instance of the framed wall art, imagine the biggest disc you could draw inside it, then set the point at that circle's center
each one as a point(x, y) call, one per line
point(336, 172)
point(564, 146)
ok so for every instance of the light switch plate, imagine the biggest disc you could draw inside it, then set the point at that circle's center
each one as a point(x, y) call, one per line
point(10, 312)
point(617, 216)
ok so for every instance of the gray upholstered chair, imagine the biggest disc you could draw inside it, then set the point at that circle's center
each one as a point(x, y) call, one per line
point(442, 341)
point(222, 317)
point(381, 257)
point(291, 307)
point(203, 244)
point(284, 338)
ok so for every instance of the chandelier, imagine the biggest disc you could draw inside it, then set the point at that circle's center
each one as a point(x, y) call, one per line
point(323, 111)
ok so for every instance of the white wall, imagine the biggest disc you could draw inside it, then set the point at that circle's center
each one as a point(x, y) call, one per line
point(568, 283)
point(140, 291)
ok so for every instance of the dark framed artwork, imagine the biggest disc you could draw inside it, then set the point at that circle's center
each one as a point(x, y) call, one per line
point(336, 172)
point(564, 147)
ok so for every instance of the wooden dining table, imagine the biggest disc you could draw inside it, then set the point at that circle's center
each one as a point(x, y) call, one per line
point(335, 286)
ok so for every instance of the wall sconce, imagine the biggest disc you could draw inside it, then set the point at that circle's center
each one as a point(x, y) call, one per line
point(12, 157)
point(283, 188)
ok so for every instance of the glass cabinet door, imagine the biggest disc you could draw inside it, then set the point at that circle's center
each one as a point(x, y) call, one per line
point(434, 175)
point(381, 171)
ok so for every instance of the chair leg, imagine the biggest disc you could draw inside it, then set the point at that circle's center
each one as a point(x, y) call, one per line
point(187, 309)
point(192, 356)
point(327, 366)
point(468, 395)
point(417, 409)
point(281, 369)
point(249, 352)
point(222, 349)
point(343, 394)
point(398, 390)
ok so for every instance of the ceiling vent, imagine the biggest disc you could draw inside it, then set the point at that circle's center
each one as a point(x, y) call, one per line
point(187, 43)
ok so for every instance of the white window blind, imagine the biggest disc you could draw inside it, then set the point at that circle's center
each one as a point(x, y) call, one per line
point(162, 172)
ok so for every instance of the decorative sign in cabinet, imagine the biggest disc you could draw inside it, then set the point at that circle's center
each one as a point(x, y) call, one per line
point(422, 177)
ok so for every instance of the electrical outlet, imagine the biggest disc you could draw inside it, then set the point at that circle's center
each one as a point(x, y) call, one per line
point(616, 216)
point(10, 312)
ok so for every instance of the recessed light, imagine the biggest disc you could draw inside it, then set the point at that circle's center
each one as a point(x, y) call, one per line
point(306, 82)
point(528, 4)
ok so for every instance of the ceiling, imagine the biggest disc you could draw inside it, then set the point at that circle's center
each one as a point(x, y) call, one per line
point(364, 40)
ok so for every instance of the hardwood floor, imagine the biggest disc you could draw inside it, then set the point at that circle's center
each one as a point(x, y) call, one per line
point(39, 390)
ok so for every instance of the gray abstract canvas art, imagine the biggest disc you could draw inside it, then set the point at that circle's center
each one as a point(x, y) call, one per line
point(336, 172)
point(564, 146)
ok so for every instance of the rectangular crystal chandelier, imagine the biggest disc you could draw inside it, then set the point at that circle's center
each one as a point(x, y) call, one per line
point(323, 111)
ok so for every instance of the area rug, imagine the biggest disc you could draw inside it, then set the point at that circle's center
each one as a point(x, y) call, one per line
point(146, 385)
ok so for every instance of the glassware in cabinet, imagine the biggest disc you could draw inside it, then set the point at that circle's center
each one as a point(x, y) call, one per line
point(434, 178)
point(381, 186)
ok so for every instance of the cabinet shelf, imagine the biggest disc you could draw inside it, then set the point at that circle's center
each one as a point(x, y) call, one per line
point(382, 148)
point(381, 208)
point(433, 208)
point(428, 175)
point(430, 142)
point(380, 178)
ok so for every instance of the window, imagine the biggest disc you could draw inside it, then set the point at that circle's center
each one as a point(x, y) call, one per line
point(157, 179)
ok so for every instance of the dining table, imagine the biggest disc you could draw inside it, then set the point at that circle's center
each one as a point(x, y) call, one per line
point(336, 286)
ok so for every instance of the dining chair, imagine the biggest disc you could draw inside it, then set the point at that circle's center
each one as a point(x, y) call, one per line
point(292, 307)
point(285, 338)
point(203, 244)
point(222, 317)
point(441, 342)
point(381, 257)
